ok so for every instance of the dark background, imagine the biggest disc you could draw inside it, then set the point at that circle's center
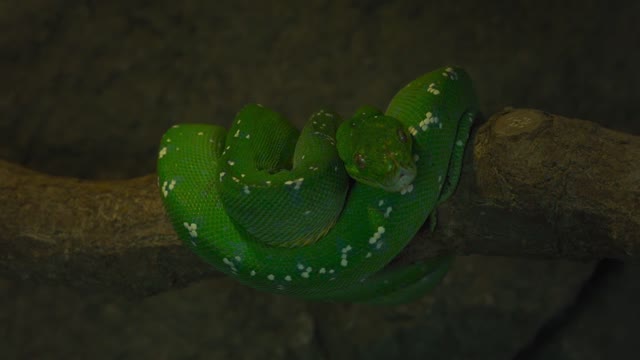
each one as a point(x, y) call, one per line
point(87, 89)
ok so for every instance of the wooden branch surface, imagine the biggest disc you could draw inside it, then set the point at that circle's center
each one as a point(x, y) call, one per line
point(534, 185)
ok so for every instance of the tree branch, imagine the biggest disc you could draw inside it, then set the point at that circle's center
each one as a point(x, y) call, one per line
point(545, 186)
point(534, 185)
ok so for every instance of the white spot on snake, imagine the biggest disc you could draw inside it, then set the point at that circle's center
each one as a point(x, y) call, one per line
point(407, 189)
point(162, 152)
point(413, 131)
point(239, 121)
point(386, 213)
point(440, 178)
point(246, 190)
point(450, 73)
point(331, 271)
point(306, 273)
point(168, 140)
point(428, 120)
point(168, 186)
point(287, 278)
point(432, 89)
point(379, 245)
point(268, 182)
point(313, 168)
point(322, 271)
point(376, 236)
point(192, 228)
point(231, 264)
point(345, 250)
point(231, 162)
point(307, 212)
point(237, 133)
point(252, 273)
point(259, 105)
point(175, 126)
point(300, 266)
point(302, 158)
point(416, 157)
point(222, 174)
point(368, 255)
point(248, 136)
point(200, 133)
point(238, 258)
point(296, 183)
point(381, 202)
point(271, 277)
point(459, 143)
point(242, 175)
point(235, 179)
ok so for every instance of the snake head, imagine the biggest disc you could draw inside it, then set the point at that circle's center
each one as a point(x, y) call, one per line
point(376, 150)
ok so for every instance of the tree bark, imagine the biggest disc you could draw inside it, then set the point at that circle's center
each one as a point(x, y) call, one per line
point(541, 185)
point(533, 185)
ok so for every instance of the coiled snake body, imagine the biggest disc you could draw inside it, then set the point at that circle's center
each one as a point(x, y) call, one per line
point(320, 213)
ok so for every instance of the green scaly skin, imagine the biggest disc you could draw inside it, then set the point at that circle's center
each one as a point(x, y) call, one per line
point(277, 210)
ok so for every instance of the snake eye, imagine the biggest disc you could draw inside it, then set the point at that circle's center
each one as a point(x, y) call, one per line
point(360, 160)
point(402, 136)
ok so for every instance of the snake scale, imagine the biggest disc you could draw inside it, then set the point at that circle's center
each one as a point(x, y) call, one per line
point(320, 213)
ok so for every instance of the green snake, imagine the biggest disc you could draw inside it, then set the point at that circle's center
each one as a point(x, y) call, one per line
point(320, 213)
